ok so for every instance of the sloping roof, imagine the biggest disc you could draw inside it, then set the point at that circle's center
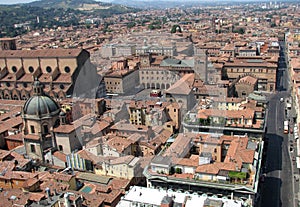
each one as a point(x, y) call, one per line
point(40, 53)
point(61, 156)
point(93, 178)
point(248, 79)
point(182, 86)
point(176, 63)
point(215, 167)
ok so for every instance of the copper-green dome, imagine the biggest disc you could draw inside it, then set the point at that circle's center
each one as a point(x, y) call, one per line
point(41, 106)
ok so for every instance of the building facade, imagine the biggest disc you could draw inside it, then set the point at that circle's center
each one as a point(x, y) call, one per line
point(60, 71)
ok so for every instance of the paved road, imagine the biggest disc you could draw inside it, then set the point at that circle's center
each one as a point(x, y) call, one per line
point(277, 189)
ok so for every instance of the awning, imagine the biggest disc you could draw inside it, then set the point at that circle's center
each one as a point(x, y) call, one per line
point(298, 162)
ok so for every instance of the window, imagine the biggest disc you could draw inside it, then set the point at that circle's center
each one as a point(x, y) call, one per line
point(32, 148)
point(32, 129)
point(48, 69)
point(67, 69)
point(60, 148)
point(14, 69)
point(46, 130)
point(31, 69)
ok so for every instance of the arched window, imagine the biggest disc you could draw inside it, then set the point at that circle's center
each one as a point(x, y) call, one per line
point(46, 129)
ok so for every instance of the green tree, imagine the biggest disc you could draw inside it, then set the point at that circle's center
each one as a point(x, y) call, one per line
point(176, 28)
point(131, 24)
point(178, 170)
point(171, 171)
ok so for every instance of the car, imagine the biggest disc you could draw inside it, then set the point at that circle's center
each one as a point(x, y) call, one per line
point(262, 178)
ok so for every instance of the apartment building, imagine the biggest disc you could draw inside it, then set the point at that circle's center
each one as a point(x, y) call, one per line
point(219, 162)
point(159, 72)
point(263, 70)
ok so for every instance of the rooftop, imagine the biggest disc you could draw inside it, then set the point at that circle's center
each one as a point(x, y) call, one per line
point(141, 195)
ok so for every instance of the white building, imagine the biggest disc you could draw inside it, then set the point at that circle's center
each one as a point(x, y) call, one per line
point(141, 196)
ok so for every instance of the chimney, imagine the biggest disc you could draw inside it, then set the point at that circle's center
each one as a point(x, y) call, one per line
point(62, 118)
point(66, 200)
point(48, 192)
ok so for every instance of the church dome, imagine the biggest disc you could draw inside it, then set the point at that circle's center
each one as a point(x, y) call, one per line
point(40, 104)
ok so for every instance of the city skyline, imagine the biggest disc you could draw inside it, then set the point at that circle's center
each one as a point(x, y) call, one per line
point(7, 2)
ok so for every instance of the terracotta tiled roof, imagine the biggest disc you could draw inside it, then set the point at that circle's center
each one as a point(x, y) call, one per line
point(36, 196)
point(182, 86)
point(62, 176)
point(66, 128)
point(215, 167)
point(118, 143)
point(63, 78)
point(60, 156)
point(248, 79)
point(15, 137)
point(246, 113)
point(32, 136)
point(40, 53)
point(188, 162)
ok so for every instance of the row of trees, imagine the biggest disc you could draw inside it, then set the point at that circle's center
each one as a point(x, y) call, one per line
point(17, 20)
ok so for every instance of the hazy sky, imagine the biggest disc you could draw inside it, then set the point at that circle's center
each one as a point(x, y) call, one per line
point(14, 1)
point(18, 1)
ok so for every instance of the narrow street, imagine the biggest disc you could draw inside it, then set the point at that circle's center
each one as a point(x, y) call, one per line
point(277, 189)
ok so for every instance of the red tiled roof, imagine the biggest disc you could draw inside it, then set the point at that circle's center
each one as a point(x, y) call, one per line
point(40, 53)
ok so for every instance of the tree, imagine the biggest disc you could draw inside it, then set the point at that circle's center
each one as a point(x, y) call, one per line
point(176, 28)
point(171, 171)
point(131, 24)
point(178, 170)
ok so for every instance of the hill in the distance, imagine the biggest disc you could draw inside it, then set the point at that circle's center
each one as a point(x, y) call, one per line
point(84, 5)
